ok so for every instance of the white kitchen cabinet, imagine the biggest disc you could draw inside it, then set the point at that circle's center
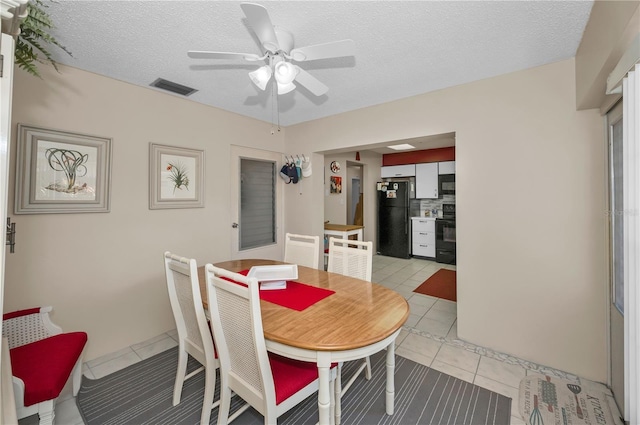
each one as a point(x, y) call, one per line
point(423, 237)
point(447, 167)
point(408, 170)
point(427, 180)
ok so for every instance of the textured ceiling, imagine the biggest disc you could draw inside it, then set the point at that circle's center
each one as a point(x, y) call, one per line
point(403, 48)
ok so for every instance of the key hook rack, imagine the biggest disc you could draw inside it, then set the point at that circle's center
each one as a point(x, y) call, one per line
point(291, 159)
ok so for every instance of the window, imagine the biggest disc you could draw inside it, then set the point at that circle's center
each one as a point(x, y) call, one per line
point(257, 203)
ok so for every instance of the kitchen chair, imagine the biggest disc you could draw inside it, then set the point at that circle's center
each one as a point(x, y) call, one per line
point(302, 250)
point(351, 258)
point(270, 383)
point(43, 357)
point(194, 335)
point(354, 259)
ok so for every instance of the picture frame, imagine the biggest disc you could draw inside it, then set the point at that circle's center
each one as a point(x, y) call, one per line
point(176, 177)
point(61, 172)
point(336, 184)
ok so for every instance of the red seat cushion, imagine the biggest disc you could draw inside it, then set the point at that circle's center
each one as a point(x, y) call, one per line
point(20, 313)
point(290, 376)
point(45, 365)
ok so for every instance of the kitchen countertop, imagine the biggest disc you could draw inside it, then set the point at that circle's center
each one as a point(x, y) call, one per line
point(424, 218)
point(342, 227)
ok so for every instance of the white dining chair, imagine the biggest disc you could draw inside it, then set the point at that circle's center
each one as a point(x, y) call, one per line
point(302, 250)
point(194, 335)
point(270, 383)
point(354, 259)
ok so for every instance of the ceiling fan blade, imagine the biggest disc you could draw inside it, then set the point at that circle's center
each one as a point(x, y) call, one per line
point(334, 49)
point(259, 20)
point(310, 82)
point(197, 54)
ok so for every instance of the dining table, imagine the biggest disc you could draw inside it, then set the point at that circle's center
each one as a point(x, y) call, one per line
point(353, 319)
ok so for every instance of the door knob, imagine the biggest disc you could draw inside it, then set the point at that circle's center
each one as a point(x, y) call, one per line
point(234, 225)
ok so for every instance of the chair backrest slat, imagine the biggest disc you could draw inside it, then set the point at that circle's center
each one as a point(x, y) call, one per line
point(302, 250)
point(351, 258)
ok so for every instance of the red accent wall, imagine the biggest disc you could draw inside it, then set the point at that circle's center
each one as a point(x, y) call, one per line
point(417, 157)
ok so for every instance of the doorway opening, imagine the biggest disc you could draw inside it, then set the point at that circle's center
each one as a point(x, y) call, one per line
point(355, 206)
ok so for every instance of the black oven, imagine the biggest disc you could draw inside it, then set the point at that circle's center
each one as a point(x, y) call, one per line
point(446, 235)
point(446, 184)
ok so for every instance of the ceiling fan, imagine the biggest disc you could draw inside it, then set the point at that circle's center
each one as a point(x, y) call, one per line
point(279, 54)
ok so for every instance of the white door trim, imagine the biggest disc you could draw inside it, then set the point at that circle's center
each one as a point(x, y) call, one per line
point(631, 179)
point(7, 44)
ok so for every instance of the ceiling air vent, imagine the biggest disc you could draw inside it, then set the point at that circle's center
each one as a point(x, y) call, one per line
point(176, 88)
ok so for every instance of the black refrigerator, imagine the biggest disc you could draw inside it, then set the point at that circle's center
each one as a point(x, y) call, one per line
point(394, 232)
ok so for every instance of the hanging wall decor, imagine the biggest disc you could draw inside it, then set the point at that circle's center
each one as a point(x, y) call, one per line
point(61, 172)
point(176, 177)
point(336, 184)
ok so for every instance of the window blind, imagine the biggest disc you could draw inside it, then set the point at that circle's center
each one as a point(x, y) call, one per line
point(257, 203)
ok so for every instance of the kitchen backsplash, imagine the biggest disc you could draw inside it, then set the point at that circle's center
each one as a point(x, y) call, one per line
point(417, 207)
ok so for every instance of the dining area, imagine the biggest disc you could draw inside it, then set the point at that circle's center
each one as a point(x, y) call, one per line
point(181, 376)
point(328, 346)
point(273, 348)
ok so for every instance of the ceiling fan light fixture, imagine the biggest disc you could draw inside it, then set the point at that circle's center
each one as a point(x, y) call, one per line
point(285, 88)
point(279, 53)
point(285, 73)
point(261, 76)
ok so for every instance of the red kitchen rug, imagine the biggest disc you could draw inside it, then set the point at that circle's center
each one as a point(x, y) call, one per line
point(441, 284)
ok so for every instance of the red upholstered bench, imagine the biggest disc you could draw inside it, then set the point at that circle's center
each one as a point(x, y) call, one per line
point(42, 360)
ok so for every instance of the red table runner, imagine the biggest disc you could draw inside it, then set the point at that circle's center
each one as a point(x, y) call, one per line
point(297, 296)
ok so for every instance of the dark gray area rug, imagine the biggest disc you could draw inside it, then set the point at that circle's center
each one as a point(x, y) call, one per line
point(142, 394)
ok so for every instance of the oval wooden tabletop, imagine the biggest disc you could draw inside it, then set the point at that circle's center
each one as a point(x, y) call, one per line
point(358, 314)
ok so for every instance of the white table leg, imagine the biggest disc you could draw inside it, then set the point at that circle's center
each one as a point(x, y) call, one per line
point(391, 365)
point(324, 390)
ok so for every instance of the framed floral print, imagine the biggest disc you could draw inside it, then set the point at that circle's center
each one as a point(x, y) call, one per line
point(61, 172)
point(176, 177)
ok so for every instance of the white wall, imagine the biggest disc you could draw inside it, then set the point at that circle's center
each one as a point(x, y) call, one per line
point(370, 175)
point(103, 273)
point(531, 207)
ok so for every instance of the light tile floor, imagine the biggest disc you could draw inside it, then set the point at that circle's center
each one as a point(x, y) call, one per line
point(429, 337)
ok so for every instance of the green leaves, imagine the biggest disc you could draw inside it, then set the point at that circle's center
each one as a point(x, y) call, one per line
point(179, 176)
point(34, 39)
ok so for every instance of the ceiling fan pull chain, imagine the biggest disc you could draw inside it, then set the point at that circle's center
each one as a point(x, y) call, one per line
point(272, 111)
point(274, 108)
point(277, 111)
